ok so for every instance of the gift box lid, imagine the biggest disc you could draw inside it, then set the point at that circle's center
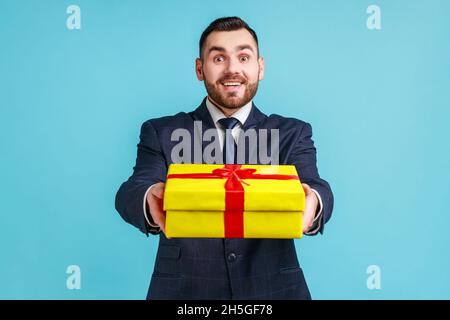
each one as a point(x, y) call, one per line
point(210, 187)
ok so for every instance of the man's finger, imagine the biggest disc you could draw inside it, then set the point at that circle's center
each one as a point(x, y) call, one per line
point(307, 220)
point(158, 190)
point(309, 214)
point(157, 212)
point(306, 188)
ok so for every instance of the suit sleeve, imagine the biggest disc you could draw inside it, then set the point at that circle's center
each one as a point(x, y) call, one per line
point(303, 156)
point(150, 168)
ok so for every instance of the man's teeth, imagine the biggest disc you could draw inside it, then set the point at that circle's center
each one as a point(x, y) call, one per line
point(232, 84)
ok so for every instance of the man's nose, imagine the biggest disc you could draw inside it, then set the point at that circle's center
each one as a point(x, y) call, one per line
point(233, 66)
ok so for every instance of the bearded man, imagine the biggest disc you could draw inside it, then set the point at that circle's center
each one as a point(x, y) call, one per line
point(231, 67)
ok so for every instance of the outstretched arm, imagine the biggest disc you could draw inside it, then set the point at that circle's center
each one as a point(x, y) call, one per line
point(150, 168)
point(303, 156)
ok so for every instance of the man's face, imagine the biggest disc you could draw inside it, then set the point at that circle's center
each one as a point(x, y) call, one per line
point(230, 68)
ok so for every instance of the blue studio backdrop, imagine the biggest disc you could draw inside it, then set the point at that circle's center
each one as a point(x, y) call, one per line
point(73, 98)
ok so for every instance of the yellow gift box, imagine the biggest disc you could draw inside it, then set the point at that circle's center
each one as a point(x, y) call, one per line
point(233, 201)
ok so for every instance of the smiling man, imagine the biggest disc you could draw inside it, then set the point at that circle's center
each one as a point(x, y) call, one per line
point(207, 268)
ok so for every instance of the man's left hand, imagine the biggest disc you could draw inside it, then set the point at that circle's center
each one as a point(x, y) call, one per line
point(311, 203)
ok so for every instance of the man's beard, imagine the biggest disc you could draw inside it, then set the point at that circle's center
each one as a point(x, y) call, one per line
point(231, 100)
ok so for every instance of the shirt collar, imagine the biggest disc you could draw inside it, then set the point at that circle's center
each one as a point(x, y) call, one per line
point(216, 114)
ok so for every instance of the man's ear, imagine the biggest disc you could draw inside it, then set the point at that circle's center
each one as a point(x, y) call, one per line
point(261, 68)
point(199, 69)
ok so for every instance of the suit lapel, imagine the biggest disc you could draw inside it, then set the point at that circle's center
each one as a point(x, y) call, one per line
point(202, 114)
point(254, 118)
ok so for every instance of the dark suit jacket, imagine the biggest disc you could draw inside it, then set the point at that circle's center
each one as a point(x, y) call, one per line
point(204, 268)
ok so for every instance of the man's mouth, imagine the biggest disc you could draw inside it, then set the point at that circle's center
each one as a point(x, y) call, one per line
point(231, 85)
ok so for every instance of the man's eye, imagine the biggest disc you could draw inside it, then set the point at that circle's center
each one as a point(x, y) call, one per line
point(244, 58)
point(219, 59)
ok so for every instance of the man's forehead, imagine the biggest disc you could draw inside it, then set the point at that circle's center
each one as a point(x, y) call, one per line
point(230, 40)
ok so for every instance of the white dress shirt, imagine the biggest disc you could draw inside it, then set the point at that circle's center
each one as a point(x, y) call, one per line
point(241, 114)
point(216, 114)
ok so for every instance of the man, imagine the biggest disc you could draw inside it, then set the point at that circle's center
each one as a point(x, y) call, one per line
point(204, 268)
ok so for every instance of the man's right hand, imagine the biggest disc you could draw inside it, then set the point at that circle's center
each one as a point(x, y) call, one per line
point(155, 204)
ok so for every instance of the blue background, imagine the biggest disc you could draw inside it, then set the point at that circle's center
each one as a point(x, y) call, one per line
point(72, 102)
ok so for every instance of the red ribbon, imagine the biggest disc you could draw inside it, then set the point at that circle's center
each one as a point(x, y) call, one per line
point(234, 192)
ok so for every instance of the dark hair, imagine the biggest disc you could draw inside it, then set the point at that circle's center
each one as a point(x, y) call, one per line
point(226, 24)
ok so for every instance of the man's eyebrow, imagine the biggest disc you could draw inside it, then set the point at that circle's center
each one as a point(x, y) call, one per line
point(216, 48)
point(244, 46)
point(239, 48)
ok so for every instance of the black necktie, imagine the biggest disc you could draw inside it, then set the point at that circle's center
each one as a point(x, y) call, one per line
point(229, 145)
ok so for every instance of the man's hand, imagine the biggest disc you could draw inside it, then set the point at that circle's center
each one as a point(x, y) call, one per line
point(155, 204)
point(311, 203)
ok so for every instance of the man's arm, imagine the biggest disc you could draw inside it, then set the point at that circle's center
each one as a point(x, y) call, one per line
point(303, 156)
point(150, 168)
